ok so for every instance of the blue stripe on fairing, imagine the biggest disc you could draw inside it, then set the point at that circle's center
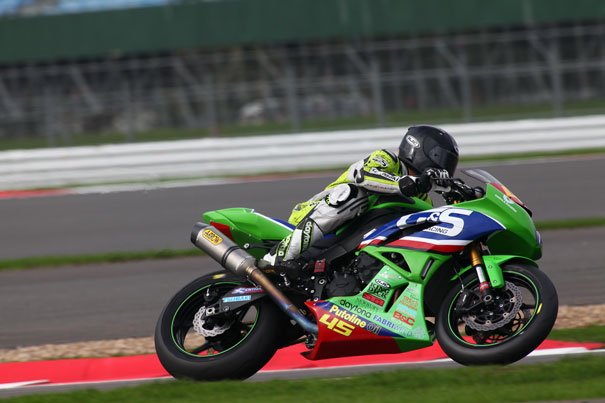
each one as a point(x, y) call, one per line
point(384, 230)
point(476, 225)
point(286, 223)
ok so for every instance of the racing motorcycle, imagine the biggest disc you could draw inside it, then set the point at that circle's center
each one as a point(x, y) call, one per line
point(398, 278)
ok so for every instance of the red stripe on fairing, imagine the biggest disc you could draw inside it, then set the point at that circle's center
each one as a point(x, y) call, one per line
point(426, 246)
point(225, 229)
point(23, 194)
point(370, 243)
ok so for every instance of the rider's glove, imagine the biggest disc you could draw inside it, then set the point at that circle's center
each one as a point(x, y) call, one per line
point(437, 176)
point(436, 173)
point(413, 185)
point(408, 186)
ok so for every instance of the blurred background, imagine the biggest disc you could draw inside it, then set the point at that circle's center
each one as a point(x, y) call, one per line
point(88, 72)
point(93, 71)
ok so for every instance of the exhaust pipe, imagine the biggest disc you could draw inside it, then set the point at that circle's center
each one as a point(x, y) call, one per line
point(233, 258)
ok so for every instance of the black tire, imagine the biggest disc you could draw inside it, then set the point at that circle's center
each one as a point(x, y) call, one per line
point(238, 359)
point(512, 341)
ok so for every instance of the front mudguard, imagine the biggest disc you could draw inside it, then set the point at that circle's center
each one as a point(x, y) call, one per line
point(493, 266)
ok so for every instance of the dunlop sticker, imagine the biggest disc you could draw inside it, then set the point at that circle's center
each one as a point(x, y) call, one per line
point(212, 237)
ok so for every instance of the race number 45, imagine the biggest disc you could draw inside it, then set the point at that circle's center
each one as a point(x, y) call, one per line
point(337, 325)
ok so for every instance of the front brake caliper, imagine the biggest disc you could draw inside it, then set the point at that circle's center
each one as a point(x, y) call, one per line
point(504, 309)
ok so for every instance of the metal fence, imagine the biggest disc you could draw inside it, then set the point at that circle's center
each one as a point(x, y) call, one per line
point(300, 86)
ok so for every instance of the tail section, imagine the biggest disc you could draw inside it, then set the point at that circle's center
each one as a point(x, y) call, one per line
point(252, 231)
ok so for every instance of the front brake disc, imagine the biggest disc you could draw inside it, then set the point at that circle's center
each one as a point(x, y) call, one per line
point(503, 310)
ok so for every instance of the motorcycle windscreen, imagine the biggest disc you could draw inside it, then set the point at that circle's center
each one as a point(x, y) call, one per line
point(486, 177)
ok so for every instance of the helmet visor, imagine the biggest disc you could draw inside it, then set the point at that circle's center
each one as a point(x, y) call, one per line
point(406, 151)
point(408, 148)
point(444, 159)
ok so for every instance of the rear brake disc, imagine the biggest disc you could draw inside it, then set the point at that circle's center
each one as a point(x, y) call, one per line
point(199, 320)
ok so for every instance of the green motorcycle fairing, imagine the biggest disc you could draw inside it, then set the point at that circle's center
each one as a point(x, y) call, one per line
point(392, 304)
point(250, 230)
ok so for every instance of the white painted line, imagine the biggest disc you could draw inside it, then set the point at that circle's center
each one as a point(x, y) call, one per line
point(384, 364)
point(565, 351)
point(50, 385)
point(548, 352)
point(15, 385)
point(552, 351)
point(558, 351)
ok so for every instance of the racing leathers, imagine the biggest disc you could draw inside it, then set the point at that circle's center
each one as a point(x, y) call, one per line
point(342, 200)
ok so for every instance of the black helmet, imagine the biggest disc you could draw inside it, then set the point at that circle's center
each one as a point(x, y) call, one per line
point(425, 147)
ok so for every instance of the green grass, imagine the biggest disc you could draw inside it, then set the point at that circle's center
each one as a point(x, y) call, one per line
point(115, 257)
point(433, 116)
point(577, 378)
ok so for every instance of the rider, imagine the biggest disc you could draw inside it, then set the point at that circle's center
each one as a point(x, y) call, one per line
point(425, 153)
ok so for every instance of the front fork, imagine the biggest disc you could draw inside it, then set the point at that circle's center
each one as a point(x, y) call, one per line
point(478, 264)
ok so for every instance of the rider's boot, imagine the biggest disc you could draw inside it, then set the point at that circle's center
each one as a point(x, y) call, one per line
point(292, 269)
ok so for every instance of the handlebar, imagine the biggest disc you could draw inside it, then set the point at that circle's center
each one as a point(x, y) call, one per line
point(454, 190)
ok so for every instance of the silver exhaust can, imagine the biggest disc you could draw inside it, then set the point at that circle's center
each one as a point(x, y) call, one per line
point(222, 249)
point(233, 258)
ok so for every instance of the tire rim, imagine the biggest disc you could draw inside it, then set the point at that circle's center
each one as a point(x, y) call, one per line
point(530, 306)
point(195, 345)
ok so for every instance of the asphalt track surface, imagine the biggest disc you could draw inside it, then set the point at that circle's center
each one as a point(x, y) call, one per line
point(107, 301)
point(159, 219)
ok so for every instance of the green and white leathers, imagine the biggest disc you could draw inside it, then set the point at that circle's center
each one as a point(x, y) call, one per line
point(341, 201)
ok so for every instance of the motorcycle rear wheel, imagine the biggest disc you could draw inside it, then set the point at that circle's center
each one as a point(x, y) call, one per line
point(238, 353)
point(487, 334)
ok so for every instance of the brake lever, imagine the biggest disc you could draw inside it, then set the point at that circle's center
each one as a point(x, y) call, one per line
point(456, 191)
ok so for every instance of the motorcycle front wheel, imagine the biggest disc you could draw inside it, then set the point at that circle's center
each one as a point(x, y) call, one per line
point(505, 330)
point(235, 345)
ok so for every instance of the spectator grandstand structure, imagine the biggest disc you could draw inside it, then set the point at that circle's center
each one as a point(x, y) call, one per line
point(131, 66)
